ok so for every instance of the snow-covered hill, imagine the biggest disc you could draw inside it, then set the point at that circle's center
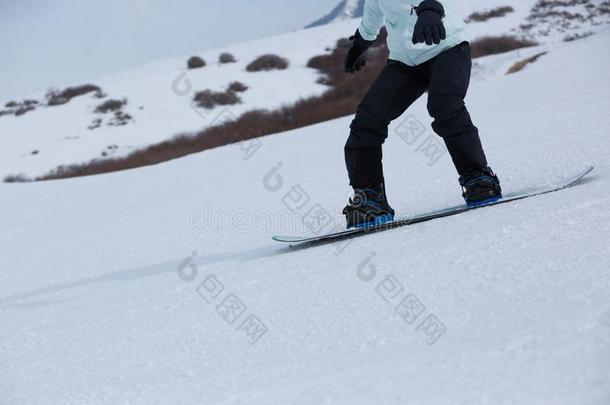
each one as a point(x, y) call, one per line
point(345, 10)
point(102, 299)
point(159, 96)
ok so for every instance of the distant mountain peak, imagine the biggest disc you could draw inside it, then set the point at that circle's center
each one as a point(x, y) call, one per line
point(345, 10)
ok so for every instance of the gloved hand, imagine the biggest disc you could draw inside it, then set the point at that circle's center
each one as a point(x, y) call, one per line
point(358, 53)
point(429, 27)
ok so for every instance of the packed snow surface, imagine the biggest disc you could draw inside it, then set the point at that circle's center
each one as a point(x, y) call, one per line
point(162, 285)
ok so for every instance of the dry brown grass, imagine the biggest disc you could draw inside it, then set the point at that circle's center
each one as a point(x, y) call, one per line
point(58, 97)
point(16, 178)
point(488, 15)
point(110, 105)
point(520, 65)
point(18, 108)
point(494, 45)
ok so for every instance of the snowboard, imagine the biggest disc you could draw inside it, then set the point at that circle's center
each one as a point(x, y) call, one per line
point(309, 240)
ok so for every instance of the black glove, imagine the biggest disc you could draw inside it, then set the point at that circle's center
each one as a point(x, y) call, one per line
point(358, 53)
point(429, 27)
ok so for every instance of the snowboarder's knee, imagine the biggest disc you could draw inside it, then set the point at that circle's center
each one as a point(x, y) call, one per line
point(444, 107)
point(450, 115)
point(369, 127)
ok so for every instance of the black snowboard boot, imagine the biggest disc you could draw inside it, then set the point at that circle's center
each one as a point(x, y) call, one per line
point(368, 207)
point(480, 186)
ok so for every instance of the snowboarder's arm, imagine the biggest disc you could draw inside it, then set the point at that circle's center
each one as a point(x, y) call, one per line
point(372, 20)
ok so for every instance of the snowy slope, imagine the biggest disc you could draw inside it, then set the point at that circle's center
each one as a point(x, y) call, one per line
point(95, 308)
point(159, 95)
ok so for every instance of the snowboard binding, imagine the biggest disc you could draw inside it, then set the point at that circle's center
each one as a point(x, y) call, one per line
point(368, 207)
point(480, 187)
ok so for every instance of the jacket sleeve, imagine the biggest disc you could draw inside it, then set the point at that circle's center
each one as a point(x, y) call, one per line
point(372, 20)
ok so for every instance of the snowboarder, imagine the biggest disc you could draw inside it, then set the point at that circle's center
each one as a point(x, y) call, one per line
point(427, 53)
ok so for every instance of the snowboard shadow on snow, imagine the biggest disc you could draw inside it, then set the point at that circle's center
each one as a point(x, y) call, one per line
point(13, 301)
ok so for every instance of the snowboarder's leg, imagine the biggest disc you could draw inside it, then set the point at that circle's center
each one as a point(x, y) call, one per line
point(396, 88)
point(449, 81)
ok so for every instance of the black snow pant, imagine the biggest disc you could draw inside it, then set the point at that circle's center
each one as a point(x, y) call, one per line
point(446, 78)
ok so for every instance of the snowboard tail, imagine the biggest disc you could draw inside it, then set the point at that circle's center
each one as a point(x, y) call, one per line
point(354, 232)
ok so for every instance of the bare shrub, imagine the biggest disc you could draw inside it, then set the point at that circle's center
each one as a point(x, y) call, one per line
point(226, 57)
point(520, 65)
point(545, 9)
point(16, 178)
point(23, 109)
point(96, 123)
point(18, 108)
point(565, 16)
point(267, 62)
point(209, 99)
point(110, 105)
point(114, 106)
point(237, 87)
point(110, 149)
point(577, 36)
point(195, 62)
point(488, 15)
point(120, 118)
point(56, 97)
point(494, 45)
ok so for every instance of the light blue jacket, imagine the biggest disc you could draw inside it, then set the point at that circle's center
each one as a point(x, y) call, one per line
point(400, 23)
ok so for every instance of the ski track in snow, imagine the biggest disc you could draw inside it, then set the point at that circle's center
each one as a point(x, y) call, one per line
point(94, 309)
